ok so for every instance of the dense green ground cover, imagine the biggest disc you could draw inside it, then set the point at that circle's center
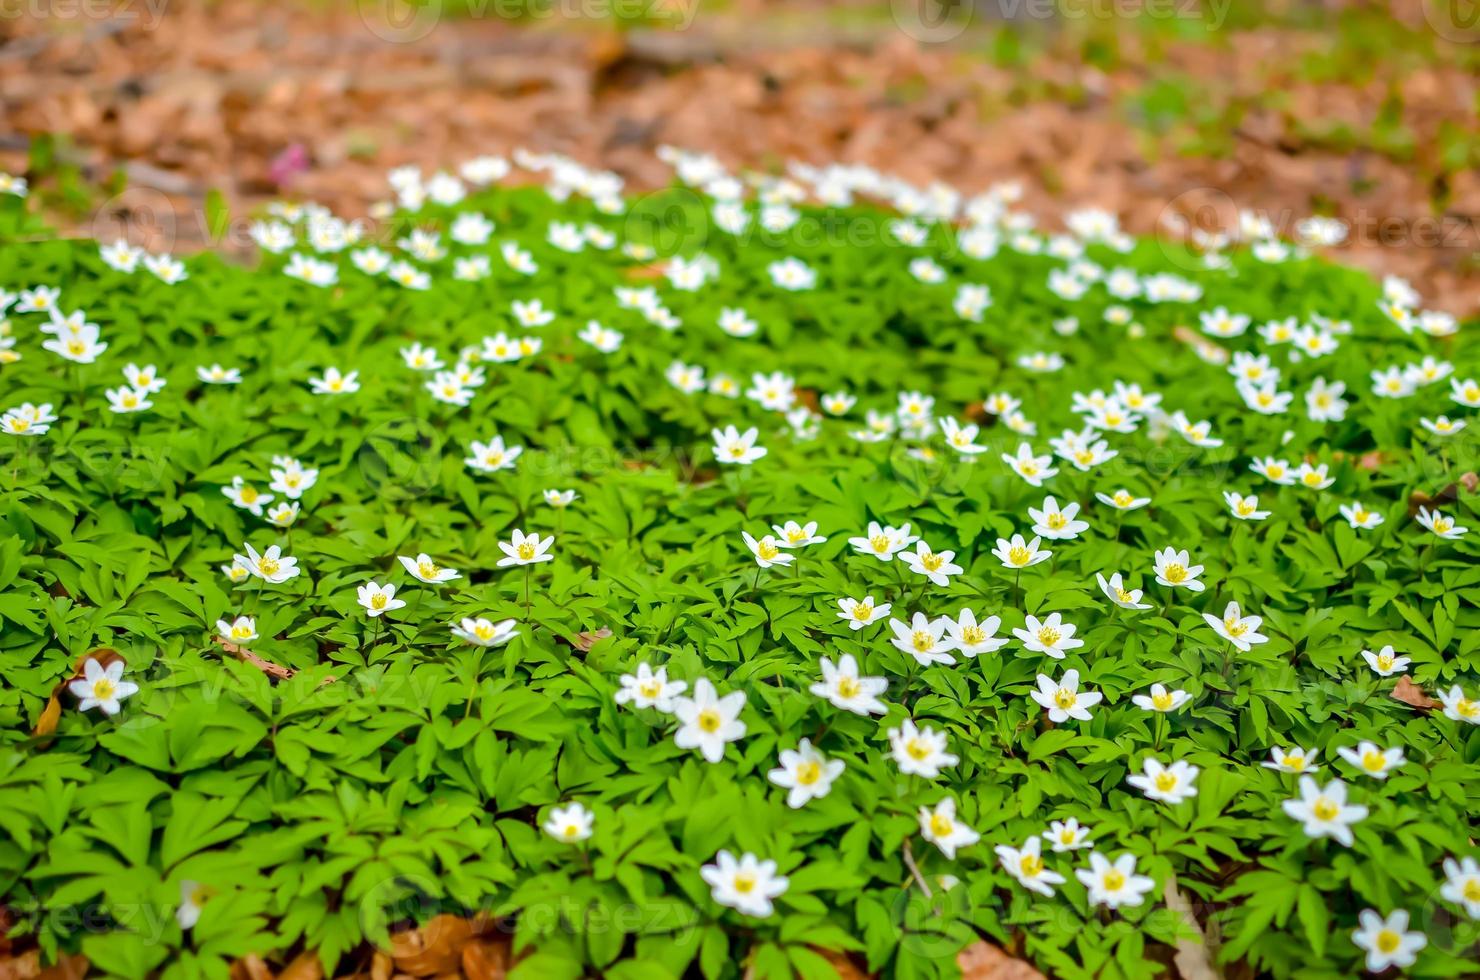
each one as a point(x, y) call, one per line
point(400, 771)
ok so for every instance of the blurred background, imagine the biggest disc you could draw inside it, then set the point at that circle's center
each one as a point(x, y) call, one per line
point(132, 116)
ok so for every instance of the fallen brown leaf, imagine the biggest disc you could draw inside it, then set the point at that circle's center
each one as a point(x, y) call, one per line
point(433, 948)
point(27, 966)
point(266, 666)
point(585, 641)
point(984, 961)
point(485, 959)
point(1411, 694)
point(1193, 957)
point(305, 966)
point(250, 967)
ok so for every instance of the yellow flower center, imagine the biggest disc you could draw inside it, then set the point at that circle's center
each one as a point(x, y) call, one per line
point(1084, 456)
point(1018, 555)
point(1374, 761)
point(1245, 508)
point(1066, 837)
point(1123, 499)
point(879, 543)
point(863, 610)
point(917, 749)
point(1388, 941)
point(483, 631)
point(427, 569)
point(1065, 698)
point(849, 688)
point(1165, 781)
point(268, 566)
point(973, 635)
point(1124, 596)
point(1174, 573)
point(650, 688)
point(1056, 521)
point(709, 720)
point(1466, 708)
point(76, 347)
point(1325, 809)
point(808, 773)
point(1235, 627)
point(941, 825)
point(737, 451)
point(1028, 469)
point(1361, 515)
point(1030, 865)
point(571, 830)
point(241, 632)
point(745, 883)
point(525, 551)
point(1295, 761)
point(103, 689)
point(1472, 890)
point(922, 640)
point(1385, 661)
point(493, 459)
point(1162, 701)
point(931, 561)
point(1442, 524)
point(378, 601)
point(767, 550)
point(1112, 881)
point(249, 495)
point(20, 425)
point(1048, 636)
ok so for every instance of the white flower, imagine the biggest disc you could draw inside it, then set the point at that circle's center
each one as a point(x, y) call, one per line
point(420, 358)
point(861, 612)
point(1019, 554)
point(378, 599)
point(707, 721)
point(246, 496)
point(145, 380)
point(649, 688)
point(1244, 508)
point(1114, 885)
point(1466, 392)
point(806, 773)
point(733, 446)
point(1160, 699)
point(218, 375)
point(920, 752)
point(1443, 425)
point(241, 631)
point(1323, 402)
point(1313, 477)
point(936, 566)
point(570, 824)
point(1296, 760)
point(271, 565)
point(191, 895)
point(1123, 499)
point(492, 456)
point(969, 638)
point(1324, 811)
point(767, 550)
point(1359, 517)
point(334, 383)
point(1174, 570)
point(1033, 469)
point(1117, 593)
point(1370, 759)
point(843, 686)
point(125, 399)
point(1056, 524)
point(1462, 884)
point(1387, 941)
point(1440, 524)
point(1169, 784)
point(1067, 835)
point(1052, 636)
point(921, 638)
point(531, 313)
point(747, 885)
point(1384, 663)
point(791, 274)
point(1457, 707)
point(1026, 865)
point(81, 347)
point(1063, 700)
point(422, 567)
point(525, 549)
point(101, 687)
point(961, 438)
point(1242, 631)
point(883, 542)
point(941, 827)
point(794, 535)
point(482, 632)
point(559, 499)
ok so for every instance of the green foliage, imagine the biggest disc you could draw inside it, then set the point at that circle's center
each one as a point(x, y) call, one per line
point(400, 773)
